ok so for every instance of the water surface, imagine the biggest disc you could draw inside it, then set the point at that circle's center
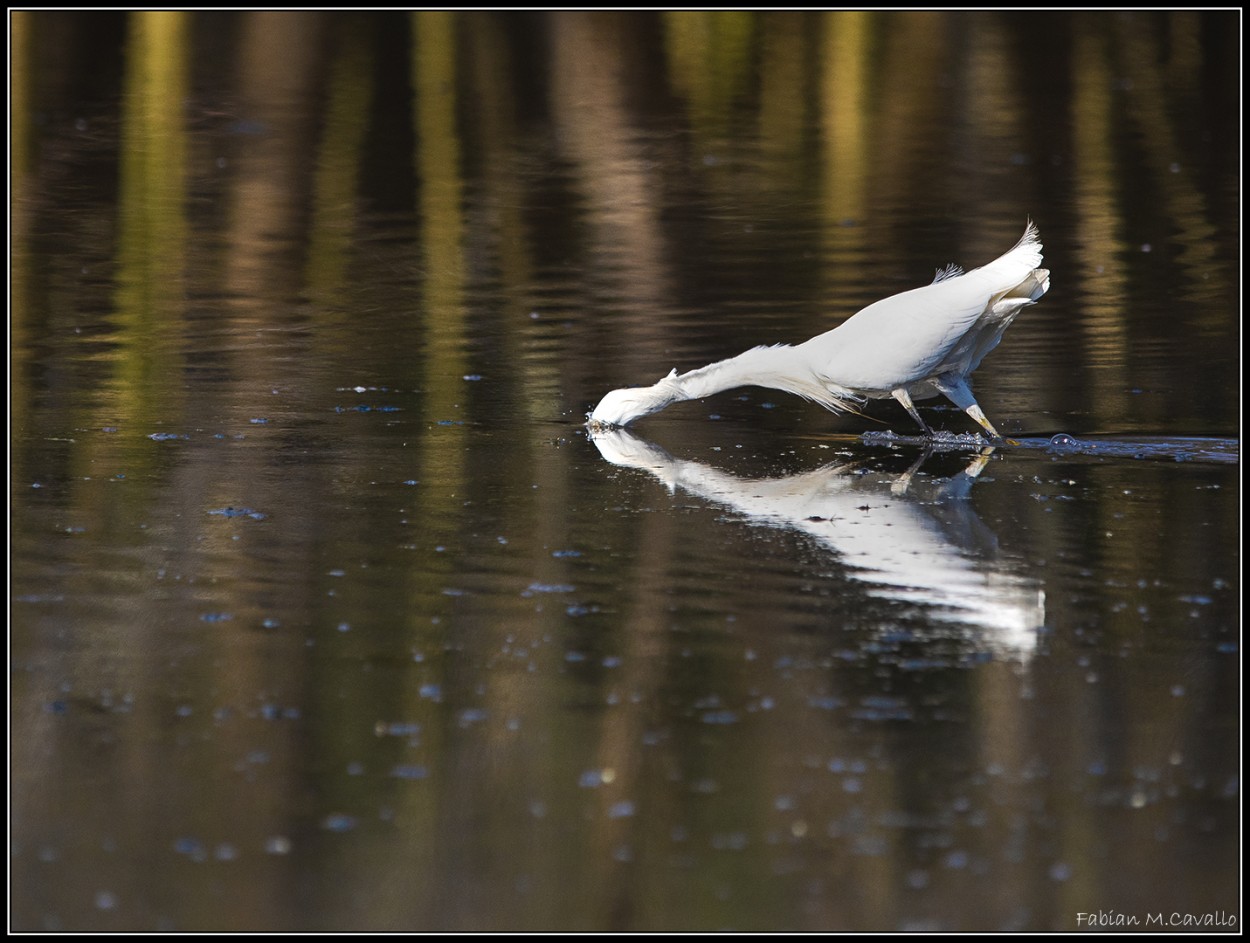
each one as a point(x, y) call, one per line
point(328, 613)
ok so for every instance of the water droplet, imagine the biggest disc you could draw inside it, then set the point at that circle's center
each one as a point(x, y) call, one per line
point(338, 822)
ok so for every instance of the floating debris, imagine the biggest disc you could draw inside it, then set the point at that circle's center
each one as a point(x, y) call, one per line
point(239, 512)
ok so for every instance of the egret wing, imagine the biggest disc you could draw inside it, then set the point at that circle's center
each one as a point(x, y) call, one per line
point(947, 325)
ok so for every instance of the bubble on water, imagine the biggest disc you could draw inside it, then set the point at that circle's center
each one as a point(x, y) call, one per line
point(593, 778)
point(956, 860)
point(396, 728)
point(225, 852)
point(193, 848)
point(338, 822)
point(537, 587)
point(410, 771)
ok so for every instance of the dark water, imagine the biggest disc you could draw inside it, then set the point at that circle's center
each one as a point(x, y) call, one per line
point(327, 613)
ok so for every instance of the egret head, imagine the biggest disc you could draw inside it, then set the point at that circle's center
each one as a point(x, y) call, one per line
point(621, 407)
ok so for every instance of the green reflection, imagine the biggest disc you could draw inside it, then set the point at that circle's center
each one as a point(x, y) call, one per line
point(845, 125)
point(785, 92)
point(336, 180)
point(443, 357)
point(710, 60)
point(21, 40)
point(152, 210)
point(441, 210)
point(1102, 277)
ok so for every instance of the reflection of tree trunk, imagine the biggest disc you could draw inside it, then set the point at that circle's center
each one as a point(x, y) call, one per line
point(152, 207)
point(591, 75)
point(710, 56)
point(846, 126)
point(441, 212)
point(1171, 178)
point(279, 72)
point(1102, 280)
point(21, 164)
point(335, 193)
point(443, 468)
point(785, 102)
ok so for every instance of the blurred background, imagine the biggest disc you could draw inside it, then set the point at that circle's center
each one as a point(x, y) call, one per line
point(326, 614)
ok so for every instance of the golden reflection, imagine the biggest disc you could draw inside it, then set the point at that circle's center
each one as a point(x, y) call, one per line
point(441, 463)
point(21, 298)
point(152, 209)
point(21, 44)
point(441, 211)
point(1102, 279)
point(846, 99)
point(710, 61)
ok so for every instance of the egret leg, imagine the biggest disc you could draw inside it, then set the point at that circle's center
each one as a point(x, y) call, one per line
point(901, 395)
point(975, 412)
point(956, 389)
point(900, 486)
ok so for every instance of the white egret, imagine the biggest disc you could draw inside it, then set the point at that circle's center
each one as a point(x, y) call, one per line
point(913, 345)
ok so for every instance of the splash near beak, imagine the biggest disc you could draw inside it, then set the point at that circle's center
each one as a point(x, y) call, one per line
point(598, 425)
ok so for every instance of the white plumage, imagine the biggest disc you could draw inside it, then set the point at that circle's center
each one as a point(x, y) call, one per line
point(913, 345)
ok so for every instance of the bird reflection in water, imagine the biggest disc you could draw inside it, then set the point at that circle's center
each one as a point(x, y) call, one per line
point(906, 538)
